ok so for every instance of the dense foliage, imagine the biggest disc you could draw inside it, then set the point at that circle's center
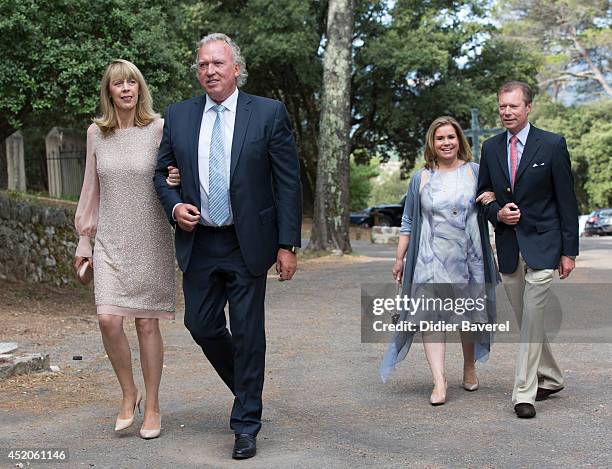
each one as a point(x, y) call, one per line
point(413, 61)
point(588, 131)
point(573, 40)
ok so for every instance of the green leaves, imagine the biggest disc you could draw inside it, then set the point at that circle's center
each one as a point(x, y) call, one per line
point(595, 146)
point(429, 58)
point(360, 184)
point(572, 36)
point(53, 64)
point(588, 132)
point(413, 60)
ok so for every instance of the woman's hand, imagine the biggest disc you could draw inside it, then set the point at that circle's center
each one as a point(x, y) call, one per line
point(78, 260)
point(398, 270)
point(174, 178)
point(486, 198)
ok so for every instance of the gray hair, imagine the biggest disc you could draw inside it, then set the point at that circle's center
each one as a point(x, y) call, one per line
point(236, 55)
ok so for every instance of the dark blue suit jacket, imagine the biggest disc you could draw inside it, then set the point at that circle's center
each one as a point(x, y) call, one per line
point(544, 193)
point(265, 188)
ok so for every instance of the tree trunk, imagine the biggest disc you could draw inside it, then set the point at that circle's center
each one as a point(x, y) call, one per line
point(330, 230)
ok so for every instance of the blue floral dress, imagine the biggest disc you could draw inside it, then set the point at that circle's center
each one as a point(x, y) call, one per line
point(449, 245)
point(450, 250)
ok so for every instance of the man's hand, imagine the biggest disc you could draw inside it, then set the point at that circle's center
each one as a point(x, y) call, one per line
point(485, 198)
point(187, 216)
point(286, 264)
point(398, 270)
point(566, 265)
point(509, 214)
point(174, 177)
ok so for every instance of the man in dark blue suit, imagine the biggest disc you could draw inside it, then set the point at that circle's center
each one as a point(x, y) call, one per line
point(536, 231)
point(237, 212)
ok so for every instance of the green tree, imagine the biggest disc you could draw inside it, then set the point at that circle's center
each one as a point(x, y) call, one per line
point(573, 38)
point(360, 182)
point(424, 59)
point(388, 188)
point(595, 146)
point(53, 64)
point(54, 52)
point(413, 60)
point(587, 130)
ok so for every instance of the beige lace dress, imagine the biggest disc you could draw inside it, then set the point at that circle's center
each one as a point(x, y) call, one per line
point(133, 256)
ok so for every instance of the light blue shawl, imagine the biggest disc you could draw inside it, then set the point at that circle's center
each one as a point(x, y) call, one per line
point(401, 342)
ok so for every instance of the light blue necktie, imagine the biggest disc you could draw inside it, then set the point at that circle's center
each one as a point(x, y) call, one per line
point(218, 202)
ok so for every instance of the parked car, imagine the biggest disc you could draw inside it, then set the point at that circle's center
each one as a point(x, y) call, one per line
point(599, 223)
point(379, 215)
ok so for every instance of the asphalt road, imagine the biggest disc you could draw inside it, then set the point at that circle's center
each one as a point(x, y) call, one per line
point(324, 404)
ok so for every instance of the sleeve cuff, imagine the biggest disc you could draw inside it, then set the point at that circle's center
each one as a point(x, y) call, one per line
point(84, 247)
point(173, 209)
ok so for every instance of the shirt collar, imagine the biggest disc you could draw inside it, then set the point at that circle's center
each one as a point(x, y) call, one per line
point(522, 135)
point(230, 103)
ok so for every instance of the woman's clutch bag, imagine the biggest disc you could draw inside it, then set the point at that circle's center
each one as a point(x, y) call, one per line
point(84, 272)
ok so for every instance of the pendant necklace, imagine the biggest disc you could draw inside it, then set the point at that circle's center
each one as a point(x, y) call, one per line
point(455, 209)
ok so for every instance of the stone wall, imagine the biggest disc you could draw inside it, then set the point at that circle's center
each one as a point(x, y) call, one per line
point(37, 239)
point(385, 235)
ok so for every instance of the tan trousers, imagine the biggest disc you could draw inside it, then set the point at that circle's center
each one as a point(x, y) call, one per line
point(528, 292)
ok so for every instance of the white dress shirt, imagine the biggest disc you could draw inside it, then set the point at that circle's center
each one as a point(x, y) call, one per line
point(228, 119)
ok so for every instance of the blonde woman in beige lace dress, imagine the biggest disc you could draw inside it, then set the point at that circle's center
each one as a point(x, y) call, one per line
point(133, 258)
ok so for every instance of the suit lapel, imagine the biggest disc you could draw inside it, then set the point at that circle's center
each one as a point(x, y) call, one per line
point(531, 148)
point(502, 155)
point(243, 114)
point(196, 118)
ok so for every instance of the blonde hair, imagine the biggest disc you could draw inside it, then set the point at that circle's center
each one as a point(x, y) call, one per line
point(431, 157)
point(124, 70)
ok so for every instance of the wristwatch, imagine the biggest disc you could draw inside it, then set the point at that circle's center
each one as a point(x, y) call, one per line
point(572, 257)
point(288, 247)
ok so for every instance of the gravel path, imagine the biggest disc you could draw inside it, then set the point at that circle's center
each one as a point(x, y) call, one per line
point(324, 404)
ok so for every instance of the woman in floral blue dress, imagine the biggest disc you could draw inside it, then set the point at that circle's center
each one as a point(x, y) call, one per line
point(444, 241)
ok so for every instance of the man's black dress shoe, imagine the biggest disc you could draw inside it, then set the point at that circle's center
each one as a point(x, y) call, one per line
point(245, 446)
point(524, 410)
point(543, 393)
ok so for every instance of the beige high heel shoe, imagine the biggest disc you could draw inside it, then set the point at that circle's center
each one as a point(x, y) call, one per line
point(440, 398)
point(152, 433)
point(470, 386)
point(122, 424)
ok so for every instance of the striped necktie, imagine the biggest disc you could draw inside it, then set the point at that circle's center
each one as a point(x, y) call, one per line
point(218, 202)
